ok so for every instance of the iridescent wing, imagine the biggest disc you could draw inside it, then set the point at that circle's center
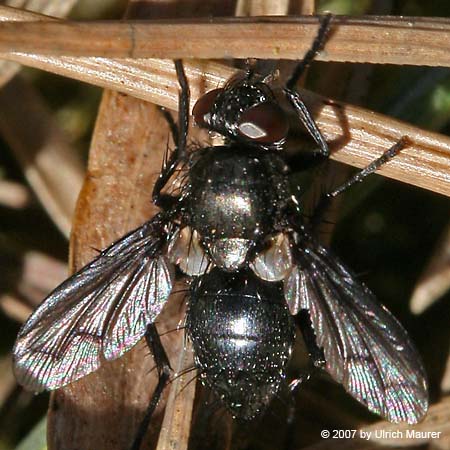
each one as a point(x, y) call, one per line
point(99, 312)
point(365, 347)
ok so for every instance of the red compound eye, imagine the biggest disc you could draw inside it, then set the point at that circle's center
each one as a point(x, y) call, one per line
point(202, 109)
point(265, 123)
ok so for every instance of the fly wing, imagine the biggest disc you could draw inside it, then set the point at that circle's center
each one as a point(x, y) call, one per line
point(99, 312)
point(365, 347)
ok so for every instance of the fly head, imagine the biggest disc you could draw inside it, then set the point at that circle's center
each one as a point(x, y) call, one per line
point(244, 110)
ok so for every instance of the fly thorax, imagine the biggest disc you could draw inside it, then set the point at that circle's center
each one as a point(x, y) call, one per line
point(242, 334)
point(235, 192)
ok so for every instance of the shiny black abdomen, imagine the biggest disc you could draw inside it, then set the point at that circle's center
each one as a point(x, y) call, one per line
point(242, 335)
point(236, 192)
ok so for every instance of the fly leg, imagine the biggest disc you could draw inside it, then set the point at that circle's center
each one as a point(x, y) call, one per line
point(308, 122)
point(316, 356)
point(316, 362)
point(315, 352)
point(359, 176)
point(294, 98)
point(179, 135)
point(316, 47)
point(163, 368)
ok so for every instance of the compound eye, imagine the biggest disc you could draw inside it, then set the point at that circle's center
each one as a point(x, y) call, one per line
point(265, 123)
point(202, 109)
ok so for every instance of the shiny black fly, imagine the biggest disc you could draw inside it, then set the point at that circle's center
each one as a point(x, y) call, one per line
point(236, 230)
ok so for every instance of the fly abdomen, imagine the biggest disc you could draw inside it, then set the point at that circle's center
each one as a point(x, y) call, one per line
point(242, 334)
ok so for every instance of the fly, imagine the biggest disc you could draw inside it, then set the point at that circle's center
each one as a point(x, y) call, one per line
point(257, 274)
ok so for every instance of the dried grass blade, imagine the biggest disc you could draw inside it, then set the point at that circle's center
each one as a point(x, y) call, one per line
point(435, 279)
point(370, 39)
point(50, 7)
point(49, 163)
point(361, 135)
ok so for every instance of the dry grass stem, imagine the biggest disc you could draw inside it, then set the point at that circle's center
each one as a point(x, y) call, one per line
point(14, 308)
point(130, 139)
point(174, 434)
point(432, 285)
point(123, 164)
point(51, 7)
point(360, 135)
point(445, 382)
point(262, 8)
point(437, 419)
point(435, 280)
point(55, 8)
point(7, 380)
point(49, 163)
point(13, 194)
point(40, 273)
point(129, 142)
point(370, 39)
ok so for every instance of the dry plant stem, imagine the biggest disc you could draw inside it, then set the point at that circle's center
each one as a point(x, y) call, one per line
point(49, 163)
point(437, 419)
point(435, 280)
point(445, 381)
point(39, 275)
point(56, 189)
point(434, 283)
point(176, 426)
point(7, 380)
point(261, 8)
point(51, 7)
point(174, 434)
point(370, 39)
point(305, 7)
point(362, 135)
point(14, 195)
point(14, 308)
point(103, 410)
